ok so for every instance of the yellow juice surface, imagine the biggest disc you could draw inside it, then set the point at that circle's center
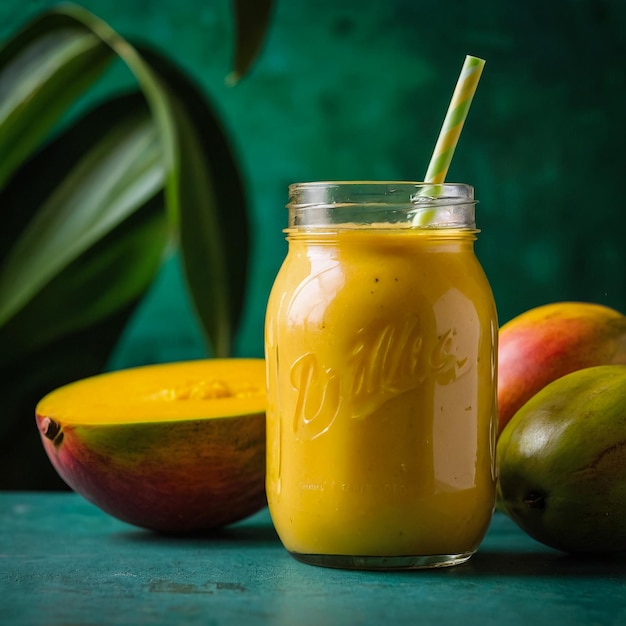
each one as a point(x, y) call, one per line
point(380, 352)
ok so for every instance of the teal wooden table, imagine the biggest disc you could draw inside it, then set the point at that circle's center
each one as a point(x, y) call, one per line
point(64, 562)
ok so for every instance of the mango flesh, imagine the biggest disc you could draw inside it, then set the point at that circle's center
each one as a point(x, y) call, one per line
point(562, 462)
point(174, 447)
point(550, 341)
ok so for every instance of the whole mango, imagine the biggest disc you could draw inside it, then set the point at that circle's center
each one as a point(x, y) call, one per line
point(562, 462)
point(550, 341)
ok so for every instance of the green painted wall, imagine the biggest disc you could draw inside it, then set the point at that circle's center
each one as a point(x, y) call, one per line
point(351, 89)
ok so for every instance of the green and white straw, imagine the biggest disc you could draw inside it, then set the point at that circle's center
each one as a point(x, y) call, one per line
point(449, 134)
point(454, 120)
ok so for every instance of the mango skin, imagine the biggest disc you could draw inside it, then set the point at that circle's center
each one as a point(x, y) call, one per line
point(550, 341)
point(177, 477)
point(561, 463)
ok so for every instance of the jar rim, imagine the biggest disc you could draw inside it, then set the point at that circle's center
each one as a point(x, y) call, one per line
point(390, 204)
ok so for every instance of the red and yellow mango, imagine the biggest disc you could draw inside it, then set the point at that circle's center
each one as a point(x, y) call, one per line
point(550, 341)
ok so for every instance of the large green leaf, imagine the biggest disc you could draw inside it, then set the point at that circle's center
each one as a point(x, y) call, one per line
point(204, 194)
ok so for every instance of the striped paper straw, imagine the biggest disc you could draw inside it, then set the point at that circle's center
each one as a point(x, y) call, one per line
point(453, 122)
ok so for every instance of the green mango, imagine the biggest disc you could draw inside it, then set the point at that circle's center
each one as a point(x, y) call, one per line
point(561, 463)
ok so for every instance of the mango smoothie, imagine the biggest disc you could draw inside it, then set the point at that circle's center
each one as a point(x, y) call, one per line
point(381, 418)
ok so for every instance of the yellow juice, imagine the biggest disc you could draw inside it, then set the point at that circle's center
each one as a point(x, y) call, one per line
point(380, 351)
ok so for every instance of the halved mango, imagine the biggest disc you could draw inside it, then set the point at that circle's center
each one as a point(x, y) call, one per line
point(173, 447)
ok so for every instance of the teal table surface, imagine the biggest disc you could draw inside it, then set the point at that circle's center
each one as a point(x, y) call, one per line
point(64, 562)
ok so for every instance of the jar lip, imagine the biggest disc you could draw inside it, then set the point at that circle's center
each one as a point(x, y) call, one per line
point(403, 204)
point(332, 193)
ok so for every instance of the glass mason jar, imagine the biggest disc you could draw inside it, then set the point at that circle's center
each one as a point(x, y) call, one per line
point(381, 344)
